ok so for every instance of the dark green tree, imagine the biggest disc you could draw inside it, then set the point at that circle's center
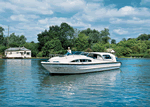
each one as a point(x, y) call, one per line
point(113, 41)
point(105, 35)
point(33, 47)
point(143, 37)
point(124, 39)
point(52, 47)
point(1, 35)
point(98, 47)
point(64, 33)
point(16, 41)
point(82, 42)
point(94, 36)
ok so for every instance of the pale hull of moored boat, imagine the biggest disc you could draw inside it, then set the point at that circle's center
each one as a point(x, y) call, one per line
point(79, 68)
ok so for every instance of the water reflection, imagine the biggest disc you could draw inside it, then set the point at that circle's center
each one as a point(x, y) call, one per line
point(97, 77)
point(68, 85)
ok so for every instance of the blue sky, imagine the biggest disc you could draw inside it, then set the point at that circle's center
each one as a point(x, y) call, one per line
point(124, 18)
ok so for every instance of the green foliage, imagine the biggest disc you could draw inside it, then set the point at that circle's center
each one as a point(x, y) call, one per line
point(14, 41)
point(98, 47)
point(88, 50)
point(122, 51)
point(2, 48)
point(1, 35)
point(113, 41)
point(52, 47)
point(144, 37)
point(124, 39)
point(146, 56)
point(64, 32)
point(148, 51)
point(94, 35)
point(40, 54)
point(136, 55)
point(82, 42)
point(33, 47)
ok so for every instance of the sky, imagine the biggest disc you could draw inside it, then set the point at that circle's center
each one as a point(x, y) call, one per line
point(123, 18)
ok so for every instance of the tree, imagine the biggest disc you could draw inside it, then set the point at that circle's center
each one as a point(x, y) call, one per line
point(143, 37)
point(43, 38)
point(94, 36)
point(82, 42)
point(98, 47)
point(105, 39)
point(113, 41)
point(22, 40)
point(33, 47)
point(2, 48)
point(105, 35)
point(16, 41)
point(64, 33)
point(1, 35)
point(52, 47)
point(124, 39)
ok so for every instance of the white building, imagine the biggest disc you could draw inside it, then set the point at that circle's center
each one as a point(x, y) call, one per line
point(110, 50)
point(19, 52)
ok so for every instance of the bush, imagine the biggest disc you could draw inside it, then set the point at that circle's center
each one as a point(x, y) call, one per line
point(40, 54)
point(146, 56)
point(2, 48)
point(88, 50)
point(136, 55)
point(98, 47)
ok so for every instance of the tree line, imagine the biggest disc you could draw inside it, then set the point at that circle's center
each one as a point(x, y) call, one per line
point(57, 39)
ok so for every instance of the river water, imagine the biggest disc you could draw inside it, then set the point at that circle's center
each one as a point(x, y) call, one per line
point(25, 83)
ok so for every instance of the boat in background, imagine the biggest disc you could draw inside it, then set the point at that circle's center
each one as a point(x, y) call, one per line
point(81, 62)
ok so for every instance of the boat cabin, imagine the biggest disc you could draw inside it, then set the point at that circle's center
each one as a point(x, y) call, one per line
point(103, 56)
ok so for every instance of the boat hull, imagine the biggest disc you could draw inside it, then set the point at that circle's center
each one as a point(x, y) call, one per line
point(79, 68)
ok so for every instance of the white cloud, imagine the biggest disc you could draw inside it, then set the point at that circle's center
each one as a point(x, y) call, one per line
point(23, 18)
point(18, 18)
point(24, 6)
point(58, 21)
point(70, 5)
point(120, 31)
point(46, 7)
point(95, 11)
point(134, 20)
point(145, 2)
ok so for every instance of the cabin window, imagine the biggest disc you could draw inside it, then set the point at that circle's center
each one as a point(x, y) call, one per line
point(75, 60)
point(10, 52)
point(94, 56)
point(24, 52)
point(85, 60)
point(82, 60)
point(107, 56)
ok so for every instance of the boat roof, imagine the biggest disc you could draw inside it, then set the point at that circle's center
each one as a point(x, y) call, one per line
point(81, 53)
point(101, 53)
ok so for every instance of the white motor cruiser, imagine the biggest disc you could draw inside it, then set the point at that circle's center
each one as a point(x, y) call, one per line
point(81, 62)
